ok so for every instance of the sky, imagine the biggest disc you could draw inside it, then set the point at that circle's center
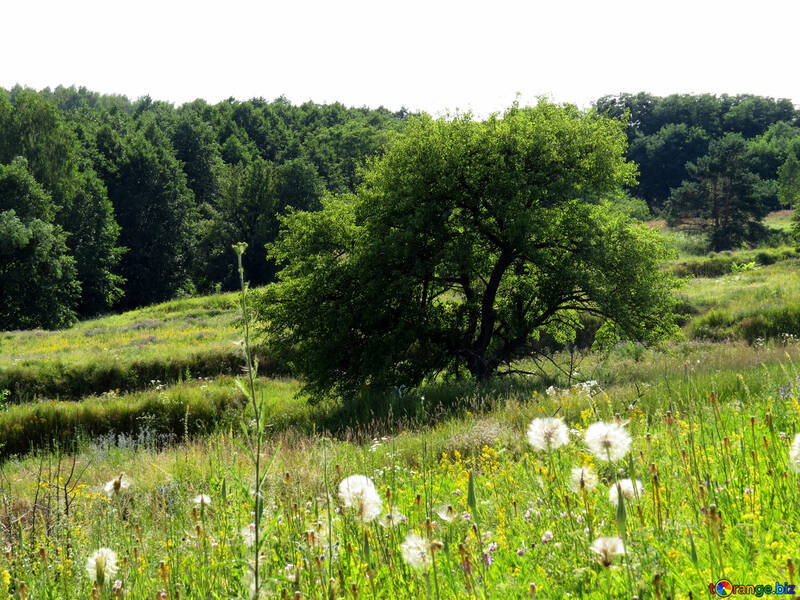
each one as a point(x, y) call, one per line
point(435, 55)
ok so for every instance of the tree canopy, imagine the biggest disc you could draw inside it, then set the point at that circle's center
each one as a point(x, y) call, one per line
point(464, 244)
point(723, 196)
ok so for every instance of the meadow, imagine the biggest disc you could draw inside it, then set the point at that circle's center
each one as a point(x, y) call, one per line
point(466, 498)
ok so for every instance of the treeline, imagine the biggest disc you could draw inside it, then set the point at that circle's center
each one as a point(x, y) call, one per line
point(717, 163)
point(110, 204)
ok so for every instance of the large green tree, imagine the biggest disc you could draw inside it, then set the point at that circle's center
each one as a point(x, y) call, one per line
point(724, 197)
point(38, 285)
point(465, 242)
point(155, 210)
point(31, 127)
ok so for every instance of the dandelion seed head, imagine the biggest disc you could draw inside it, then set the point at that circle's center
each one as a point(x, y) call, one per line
point(547, 433)
point(358, 492)
point(202, 500)
point(607, 548)
point(115, 486)
point(608, 441)
point(392, 518)
point(628, 491)
point(582, 479)
point(447, 513)
point(102, 565)
point(416, 552)
point(794, 454)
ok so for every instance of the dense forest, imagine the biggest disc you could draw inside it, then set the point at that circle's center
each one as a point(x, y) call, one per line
point(108, 204)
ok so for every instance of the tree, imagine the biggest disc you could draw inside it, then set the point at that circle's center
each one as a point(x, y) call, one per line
point(155, 210)
point(465, 242)
point(251, 199)
point(662, 157)
point(723, 196)
point(789, 182)
point(38, 286)
point(33, 128)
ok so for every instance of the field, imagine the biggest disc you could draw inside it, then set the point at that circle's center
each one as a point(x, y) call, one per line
point(149, 399)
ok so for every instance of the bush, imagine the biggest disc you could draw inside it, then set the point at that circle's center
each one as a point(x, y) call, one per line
point(67, 380)
point(766, 258)
point(191, 410)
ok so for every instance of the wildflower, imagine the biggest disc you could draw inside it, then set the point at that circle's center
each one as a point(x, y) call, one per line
point(794, 454)
point(115, 486)
point(608, 441)
point(416, 552)
point(392, 518)
point(101, 565)
point(547, 536)
point(583, 479)
point(607, 548)
point(628, 491)
point(358, 491)
point(546, 433)
point(447, 513)
point(202, 500)
point(249, 535)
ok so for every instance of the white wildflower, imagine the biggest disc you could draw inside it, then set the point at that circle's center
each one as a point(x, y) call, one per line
point(358, 491)
point(628, 491)
point(115, 486)
point(608, 441)
point(547, 433)
point(583, 479)
point(202, 500)
point(392, 518)
point(607, 548)
point(446, 512)
point(794, 454)
point(102, 565)
point(416, 552)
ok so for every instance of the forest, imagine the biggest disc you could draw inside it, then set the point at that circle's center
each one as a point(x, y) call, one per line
point(108, 204)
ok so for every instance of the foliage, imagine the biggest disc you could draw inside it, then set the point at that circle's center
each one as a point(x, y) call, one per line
point(466, 242)
point(667, 133)
point(33, 128)
point(724, 197)
point(38, 286)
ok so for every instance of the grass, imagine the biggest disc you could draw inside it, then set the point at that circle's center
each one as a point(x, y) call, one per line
point(166, 343)
point(719, 500)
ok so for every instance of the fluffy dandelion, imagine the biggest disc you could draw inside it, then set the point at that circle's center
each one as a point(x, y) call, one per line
point(628, 491)
point(102, 565)
point(608, 441)
point(794, 454)
point(416, 552)
point(547, 433)
point(115, 486)
point(202, 500)
point(358, 491)
point(447, 513)
point(249, 535)
point(392, 518)
point(607, 548)
point(583, 479)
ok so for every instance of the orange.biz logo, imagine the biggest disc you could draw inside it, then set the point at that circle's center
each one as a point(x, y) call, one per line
point(725, 588)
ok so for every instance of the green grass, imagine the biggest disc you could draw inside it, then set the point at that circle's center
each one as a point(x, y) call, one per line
point(165, 342)
point(691, 453)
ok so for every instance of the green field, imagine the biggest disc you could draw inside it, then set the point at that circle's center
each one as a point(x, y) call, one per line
point(153, 394)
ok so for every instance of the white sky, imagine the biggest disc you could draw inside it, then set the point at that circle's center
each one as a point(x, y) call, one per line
point(425, 55)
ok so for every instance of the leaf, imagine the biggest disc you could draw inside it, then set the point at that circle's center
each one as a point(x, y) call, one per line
point(692, 549)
